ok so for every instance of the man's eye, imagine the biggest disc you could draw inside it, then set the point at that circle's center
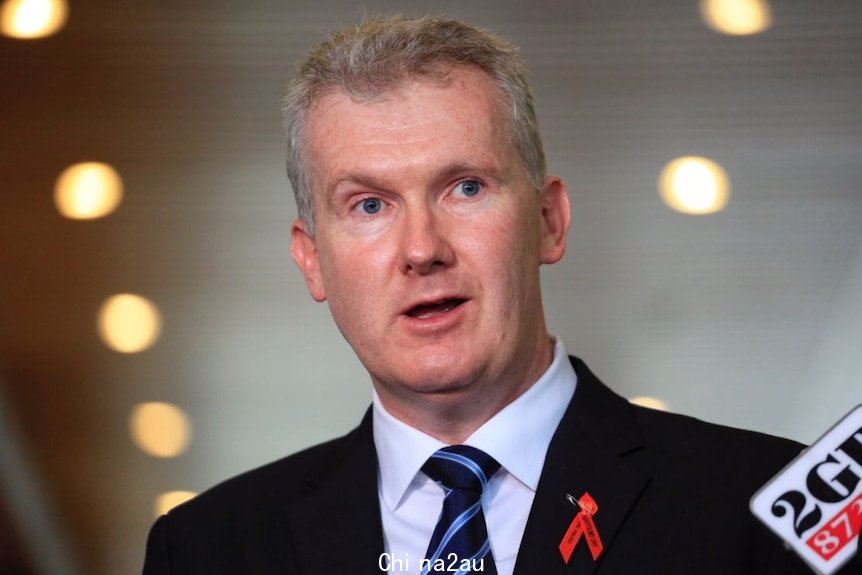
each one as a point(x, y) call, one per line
point(371, 205)
point(469, 188)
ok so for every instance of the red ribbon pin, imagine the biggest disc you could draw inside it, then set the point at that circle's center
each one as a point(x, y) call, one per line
point(582, 525)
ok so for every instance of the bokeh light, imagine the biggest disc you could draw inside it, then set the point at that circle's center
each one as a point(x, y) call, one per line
point(736, 17)
point(694, 185)
point(160, 429)
point(651, 402)
point(167, 501)
point(88, 190)
point(129, 323)
point(30, 19)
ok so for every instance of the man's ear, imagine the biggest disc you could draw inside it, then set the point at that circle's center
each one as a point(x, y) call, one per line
point(556, 217)
point(304, 252)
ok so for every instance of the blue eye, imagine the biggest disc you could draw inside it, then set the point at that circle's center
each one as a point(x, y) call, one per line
point(470, 188)
point(371, 205)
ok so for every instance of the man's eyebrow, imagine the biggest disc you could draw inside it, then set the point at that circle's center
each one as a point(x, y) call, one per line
point(488, 171)
point(364, 180)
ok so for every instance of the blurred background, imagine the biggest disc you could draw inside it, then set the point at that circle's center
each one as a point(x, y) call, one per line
point(155, 337)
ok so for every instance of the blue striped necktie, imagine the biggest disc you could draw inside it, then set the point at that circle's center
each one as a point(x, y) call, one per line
point(460, 538)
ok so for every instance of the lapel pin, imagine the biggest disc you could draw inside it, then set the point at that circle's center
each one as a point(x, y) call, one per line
point(582, 526)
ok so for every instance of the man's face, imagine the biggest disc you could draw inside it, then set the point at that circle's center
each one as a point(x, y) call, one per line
point(428, 240)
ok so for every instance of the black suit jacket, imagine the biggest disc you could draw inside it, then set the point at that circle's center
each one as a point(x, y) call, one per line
point(672, 493)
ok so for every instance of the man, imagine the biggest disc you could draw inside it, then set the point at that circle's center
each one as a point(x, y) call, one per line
point(425, 215)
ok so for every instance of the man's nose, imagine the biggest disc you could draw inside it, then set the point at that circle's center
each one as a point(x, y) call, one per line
point(424, 243)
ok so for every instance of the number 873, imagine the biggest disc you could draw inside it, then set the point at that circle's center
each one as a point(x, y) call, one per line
point(843, 528)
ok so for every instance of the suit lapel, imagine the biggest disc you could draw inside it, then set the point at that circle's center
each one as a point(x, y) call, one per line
point(584, 456)
point(337, 527)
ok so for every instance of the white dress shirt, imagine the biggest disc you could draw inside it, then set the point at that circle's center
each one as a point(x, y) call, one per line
point(517, 437)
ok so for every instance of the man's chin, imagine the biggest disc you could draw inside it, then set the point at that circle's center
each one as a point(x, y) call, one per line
point(425, 382)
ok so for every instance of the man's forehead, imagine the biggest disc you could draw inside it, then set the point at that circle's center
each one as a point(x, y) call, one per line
point(398, 90)
point(461, 110)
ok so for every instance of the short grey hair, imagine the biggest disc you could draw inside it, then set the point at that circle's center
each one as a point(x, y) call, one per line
point(378, 55)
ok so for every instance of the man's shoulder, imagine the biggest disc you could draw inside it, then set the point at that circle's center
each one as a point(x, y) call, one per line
point(274, 485)
point(689, 433)
point(699, 448)
point(669, 443)
point(248, 523)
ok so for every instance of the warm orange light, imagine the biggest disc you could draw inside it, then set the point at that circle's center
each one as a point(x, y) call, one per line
point(651, 402)
point(694, 185)
point(160, 429)
point(167, 501)
point(129, 323)
point(88, 190)
point(736, 17)
point(29, 19)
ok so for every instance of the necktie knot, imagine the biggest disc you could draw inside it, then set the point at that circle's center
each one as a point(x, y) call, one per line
point(461, 467)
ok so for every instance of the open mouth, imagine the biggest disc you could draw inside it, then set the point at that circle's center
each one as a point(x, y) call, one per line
point(427, 310)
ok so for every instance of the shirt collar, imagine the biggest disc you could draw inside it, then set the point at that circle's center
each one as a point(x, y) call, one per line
point(529, 420)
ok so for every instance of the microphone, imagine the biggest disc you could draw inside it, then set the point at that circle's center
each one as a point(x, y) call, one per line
point(815, 503)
